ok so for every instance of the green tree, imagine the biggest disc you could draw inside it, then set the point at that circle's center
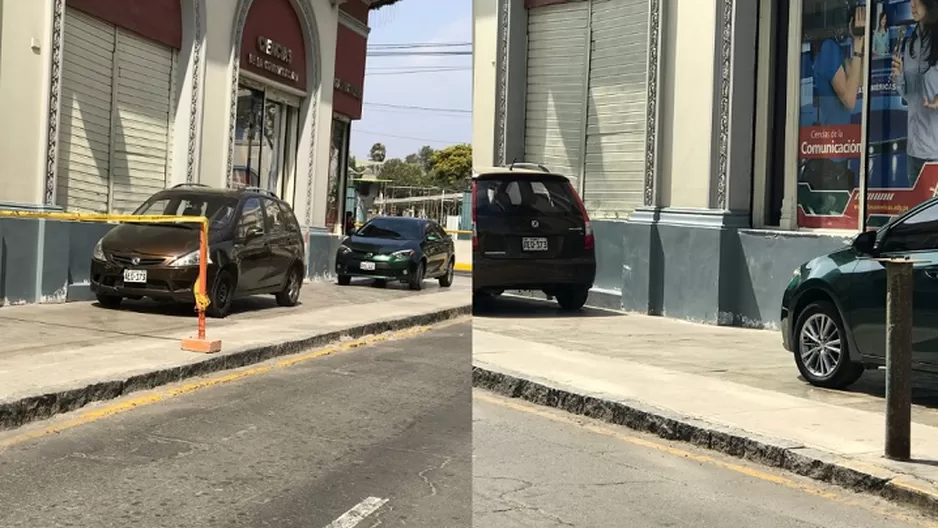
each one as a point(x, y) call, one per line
point(378, 152)
point(425, 157)
point(402, 173)
point(413, 159)
point(452, 167)
point(353, 164)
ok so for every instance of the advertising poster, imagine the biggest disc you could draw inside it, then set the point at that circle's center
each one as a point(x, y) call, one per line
point(902, 131)
point(829, 144)
point(900, 124)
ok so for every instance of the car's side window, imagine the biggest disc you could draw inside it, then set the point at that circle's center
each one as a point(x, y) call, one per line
point(918, 232)
point(252, 217)
point(289, 219)
point(274, 218)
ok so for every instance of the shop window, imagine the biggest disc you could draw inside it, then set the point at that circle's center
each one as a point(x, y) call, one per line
point(338, 175)
point(265, 144)
point(848, 82)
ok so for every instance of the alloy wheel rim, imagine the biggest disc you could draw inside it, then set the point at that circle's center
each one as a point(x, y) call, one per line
point(451, 271)
point(223, 294)
point(820, 345)
point(294, 286)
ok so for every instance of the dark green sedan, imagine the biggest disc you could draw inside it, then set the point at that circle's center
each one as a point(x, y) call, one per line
point(397, 248)
point(834, 309)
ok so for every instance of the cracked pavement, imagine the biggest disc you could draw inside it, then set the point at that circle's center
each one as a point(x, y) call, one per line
point(535, 467)
point(292, 447)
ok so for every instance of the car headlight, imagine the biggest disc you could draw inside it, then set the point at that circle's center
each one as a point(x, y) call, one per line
point(189, 259)
point(795, 277)
point(98, 252)
point(344, 250)
point(402, 254)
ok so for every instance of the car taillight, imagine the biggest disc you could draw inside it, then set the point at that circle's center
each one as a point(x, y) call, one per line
point(588, 241)
point(475, 236)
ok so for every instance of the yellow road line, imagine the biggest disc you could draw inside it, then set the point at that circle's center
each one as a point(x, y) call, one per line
point(172, 392)
point(618, 433)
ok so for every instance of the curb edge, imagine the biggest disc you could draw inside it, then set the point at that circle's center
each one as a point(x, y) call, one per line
point(14, 414)
point(776, 453)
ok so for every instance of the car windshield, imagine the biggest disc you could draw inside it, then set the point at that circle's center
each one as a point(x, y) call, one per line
point(393, 228)
point(512, 197)
point(218, 209)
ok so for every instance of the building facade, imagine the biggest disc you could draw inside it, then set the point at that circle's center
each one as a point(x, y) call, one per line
point(713, 148)
point(115, 100)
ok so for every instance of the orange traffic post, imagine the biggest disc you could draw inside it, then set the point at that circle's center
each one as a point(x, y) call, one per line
point(201, 343)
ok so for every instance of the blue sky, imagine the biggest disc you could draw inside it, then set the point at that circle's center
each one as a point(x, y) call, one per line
point(407, 22)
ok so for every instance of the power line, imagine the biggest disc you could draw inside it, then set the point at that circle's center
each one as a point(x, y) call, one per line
point(428, 140)
point(382, 53)
point(420, 45)
point(412, 72)
point(427, 108)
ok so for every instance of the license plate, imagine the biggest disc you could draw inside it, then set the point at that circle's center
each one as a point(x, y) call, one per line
point(136, 276)
point(367, 266)
point(534, 244)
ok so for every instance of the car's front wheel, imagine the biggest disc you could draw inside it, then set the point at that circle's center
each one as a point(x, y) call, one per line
point(221, 296)
point(821, 350)
point(573, 297)
point(416, 280)
point(344, 280)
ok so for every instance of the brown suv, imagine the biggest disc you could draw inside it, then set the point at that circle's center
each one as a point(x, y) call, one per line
point(255, 247)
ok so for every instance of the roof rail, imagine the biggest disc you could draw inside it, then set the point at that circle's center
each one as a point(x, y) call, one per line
point(524, 165)
point(189, 185)
point(261, 190)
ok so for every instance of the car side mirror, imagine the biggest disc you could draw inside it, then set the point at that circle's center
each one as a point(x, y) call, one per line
point(432, 238)
point(865, 243)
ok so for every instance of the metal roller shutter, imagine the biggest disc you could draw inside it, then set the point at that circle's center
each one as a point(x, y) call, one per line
point(117, 103)
point(615, 133)
point(143, 98)
point(557, 66)
point(85, 115)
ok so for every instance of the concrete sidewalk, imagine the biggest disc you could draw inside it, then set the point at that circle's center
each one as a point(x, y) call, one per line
point(56, 358)
point(730, 389)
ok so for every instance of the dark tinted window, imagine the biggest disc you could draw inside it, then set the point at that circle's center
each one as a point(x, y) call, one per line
point(511, 197)
point(289, 218)
point(396, 228)
point(274, 218)
point(435, 229)
point(915, 233)
point(251, 216)
point(218, 209)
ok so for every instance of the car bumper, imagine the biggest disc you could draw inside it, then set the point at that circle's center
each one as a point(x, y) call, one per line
point(514, 274)
point(388, 270)
point(162, 283)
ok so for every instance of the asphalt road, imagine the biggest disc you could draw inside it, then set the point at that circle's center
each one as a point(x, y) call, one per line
point(538, 467)
point(384, 428)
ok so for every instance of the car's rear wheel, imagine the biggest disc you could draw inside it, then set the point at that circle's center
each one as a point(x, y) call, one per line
point(290, 295)
point(109, 301)
point(572, 297)
point(344, 280)
point(446, 280)
point(416, 280)
point(821, 349)
point(222, 295)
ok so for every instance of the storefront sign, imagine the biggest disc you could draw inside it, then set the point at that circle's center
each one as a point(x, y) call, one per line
point(270, 53)
point(348, 88)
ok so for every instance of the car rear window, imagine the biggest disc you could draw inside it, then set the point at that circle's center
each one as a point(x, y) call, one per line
point(393, 228)
point(512, 197)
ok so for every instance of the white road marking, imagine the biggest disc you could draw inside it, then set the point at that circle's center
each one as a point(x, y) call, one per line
point(358, 513)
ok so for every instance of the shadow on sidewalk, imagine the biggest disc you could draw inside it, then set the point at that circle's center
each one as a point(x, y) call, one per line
point(924, 387)
point(512, 307)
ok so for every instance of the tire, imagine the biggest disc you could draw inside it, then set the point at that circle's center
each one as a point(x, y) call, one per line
point(447, 279)
point(221, 295)
point(820, 324)
point(344, 280)
point(109, 301)
point(380, 283)
point(416, 280)
point(572, 298)
point(290, 295)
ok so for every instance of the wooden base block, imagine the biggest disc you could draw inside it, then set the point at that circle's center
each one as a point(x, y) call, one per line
point(202, 346)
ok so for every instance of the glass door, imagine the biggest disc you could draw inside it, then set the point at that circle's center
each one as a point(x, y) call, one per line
point(249, 124)
point(275, 128)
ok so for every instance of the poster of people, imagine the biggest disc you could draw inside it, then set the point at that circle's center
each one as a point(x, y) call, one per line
point(902, 133)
